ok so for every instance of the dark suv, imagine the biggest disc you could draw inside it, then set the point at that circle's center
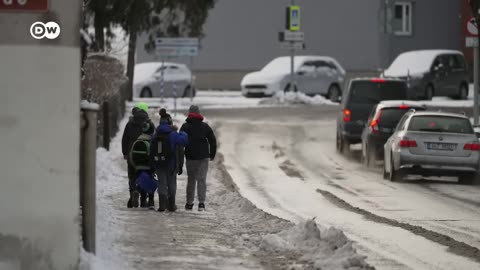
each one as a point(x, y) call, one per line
point(357, 103)
point(431, 73)
point(380, 126)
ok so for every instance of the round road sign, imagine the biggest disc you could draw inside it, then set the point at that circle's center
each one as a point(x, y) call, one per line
point(472, 28)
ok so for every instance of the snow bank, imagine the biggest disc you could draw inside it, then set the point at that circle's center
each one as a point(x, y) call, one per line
point(110, 181)
point(293, 98)
point(326, 249)
point(205, 100)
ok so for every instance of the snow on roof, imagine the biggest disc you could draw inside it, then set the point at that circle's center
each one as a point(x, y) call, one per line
point(414, 62)
point(393, 103)
point(433, 113)
point(281, 65)
point(375, 78)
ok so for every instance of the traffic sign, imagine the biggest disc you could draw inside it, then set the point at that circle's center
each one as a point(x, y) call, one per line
point(291, 36)
point(471, 27)
point(471, 42)
point(173, 47)
point(24, 5)
point(293, 18)
point(177, 42)
point(293, 46)
point(177, 51)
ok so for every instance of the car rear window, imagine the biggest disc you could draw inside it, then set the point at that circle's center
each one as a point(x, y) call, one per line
point(440, 124)
point(391, 116)
point(374, 92)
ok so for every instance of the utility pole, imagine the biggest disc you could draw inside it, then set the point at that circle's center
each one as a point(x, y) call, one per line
point(292, 61)
point(475, 5)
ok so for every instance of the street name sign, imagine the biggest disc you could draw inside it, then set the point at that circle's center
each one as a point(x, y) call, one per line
point(471, 42)
point(293, 46)
point(173, 47)
point(291, 36)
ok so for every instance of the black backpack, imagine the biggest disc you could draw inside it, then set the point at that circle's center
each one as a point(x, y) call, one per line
point(139, 155)
point(161, 150)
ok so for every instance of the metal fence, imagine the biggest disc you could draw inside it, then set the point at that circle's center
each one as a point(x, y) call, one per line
point(112, 110)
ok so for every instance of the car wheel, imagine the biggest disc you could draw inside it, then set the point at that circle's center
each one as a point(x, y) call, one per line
point(463, 92)
point(189, 92)
point(343, 146)
point(429, 92)
point(369, 157)
point(146, 93)
point(385, 174)
point(334, 93)
point(467, 178)
point(338, 143)
point(395, 175)
point(287, 88)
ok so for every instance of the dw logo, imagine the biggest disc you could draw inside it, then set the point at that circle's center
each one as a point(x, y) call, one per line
point(50, 30)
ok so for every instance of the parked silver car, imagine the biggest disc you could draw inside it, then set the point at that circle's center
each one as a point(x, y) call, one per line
point(432, 144)
point(177, 80)
point(314, 75)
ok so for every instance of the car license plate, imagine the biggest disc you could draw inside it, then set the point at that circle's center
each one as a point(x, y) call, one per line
point(441, 146)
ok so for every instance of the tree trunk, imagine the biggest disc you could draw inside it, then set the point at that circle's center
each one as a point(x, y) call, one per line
point(132, 44)
point(99, 32)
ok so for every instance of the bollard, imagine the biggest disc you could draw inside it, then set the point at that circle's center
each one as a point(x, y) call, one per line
point(106, 125)
point(174, 90)
point(88, 146)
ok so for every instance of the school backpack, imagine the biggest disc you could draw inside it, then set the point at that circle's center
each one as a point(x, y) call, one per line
point(161, 150)
point(139, 154)
point(146, 183)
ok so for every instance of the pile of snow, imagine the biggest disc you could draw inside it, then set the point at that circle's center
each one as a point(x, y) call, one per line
point(110, 181)
point(205, 100)
point(326, 249)
point(294, 98)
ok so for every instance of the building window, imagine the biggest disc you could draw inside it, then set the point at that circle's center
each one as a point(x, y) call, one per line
point(402, 19)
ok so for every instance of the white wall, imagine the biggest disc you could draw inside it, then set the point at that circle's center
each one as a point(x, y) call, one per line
point(39, 148)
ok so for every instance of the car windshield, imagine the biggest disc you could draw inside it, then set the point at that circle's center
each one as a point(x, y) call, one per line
point(448, 124)
point(374, 92)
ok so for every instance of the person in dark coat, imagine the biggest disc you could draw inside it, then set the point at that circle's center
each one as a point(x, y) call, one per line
point(139, 158)
point(201, 147)
point(165, 117)
point(168, 163)
point(134, 128)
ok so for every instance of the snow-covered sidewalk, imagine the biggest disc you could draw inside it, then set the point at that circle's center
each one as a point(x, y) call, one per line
point(231, 234)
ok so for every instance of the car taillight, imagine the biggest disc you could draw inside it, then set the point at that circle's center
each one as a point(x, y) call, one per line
point(378, 80)
point(347, 115)
point(375, 122)
point(405, 143)
point(403, 107)
point(472, 147)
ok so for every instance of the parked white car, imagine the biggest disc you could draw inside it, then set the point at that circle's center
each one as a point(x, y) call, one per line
point(314, 75)
point(176, 77)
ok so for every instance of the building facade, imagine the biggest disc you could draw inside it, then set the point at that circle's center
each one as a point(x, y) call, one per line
point(364, 36)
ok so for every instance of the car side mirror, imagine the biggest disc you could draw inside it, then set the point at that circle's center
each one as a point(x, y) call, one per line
point(301, 73)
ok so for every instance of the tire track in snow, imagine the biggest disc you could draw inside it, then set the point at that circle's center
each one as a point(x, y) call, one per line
point(454, 246)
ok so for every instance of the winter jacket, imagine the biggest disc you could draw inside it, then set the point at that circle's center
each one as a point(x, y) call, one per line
point(178, 141)
point(135, 128)
point(202, 143)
